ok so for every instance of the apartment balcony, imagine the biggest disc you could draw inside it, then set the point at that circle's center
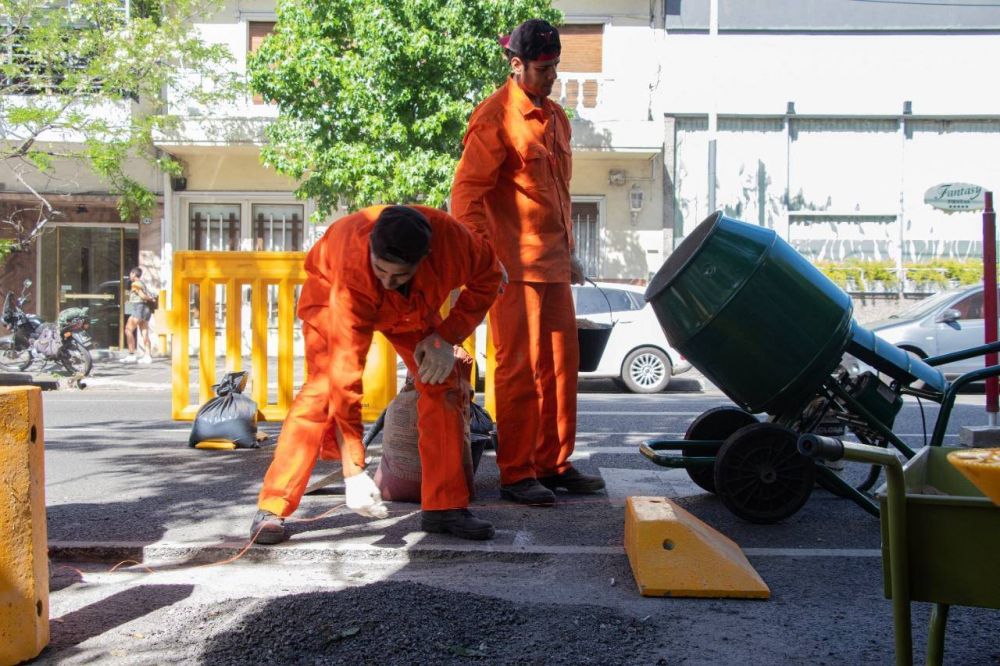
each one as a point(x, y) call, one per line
point(195, 134)
point(608, 115)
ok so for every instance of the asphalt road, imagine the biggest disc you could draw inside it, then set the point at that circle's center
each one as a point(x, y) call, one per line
point(553, 587)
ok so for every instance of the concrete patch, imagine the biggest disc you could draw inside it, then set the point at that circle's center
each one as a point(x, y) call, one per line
point(623, 483)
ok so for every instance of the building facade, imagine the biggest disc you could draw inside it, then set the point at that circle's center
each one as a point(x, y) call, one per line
point(825, 120)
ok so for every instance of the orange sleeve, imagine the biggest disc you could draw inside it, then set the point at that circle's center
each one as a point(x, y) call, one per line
point(350, 313)
point(481, 275)
point(350, 335)
point(483, 154)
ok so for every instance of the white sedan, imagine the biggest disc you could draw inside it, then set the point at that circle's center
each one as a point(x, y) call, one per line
point(637, 356)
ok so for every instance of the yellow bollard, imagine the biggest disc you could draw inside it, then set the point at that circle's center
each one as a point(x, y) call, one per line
point(379, 378)
point(24, 565)
point(489, 390)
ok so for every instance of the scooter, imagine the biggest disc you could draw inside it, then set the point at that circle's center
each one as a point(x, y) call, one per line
point(33, 340)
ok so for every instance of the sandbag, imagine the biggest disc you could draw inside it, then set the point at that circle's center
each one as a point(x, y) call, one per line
point(398, 473)
point(230, 416)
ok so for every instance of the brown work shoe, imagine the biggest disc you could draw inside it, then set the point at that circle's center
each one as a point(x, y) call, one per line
point(573, 481)
point(459, 522)
point(268, 528)
point(528, 491)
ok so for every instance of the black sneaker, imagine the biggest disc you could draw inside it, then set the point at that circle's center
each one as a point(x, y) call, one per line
point(268, 528)
point(573, 481)
point(528, 491)
point(459, 522)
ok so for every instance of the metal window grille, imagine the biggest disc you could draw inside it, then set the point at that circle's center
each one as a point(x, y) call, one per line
point(214, 227)
point(587, 235)
point(277, 227)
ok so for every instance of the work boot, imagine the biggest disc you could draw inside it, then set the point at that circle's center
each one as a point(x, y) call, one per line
point(573, 481)
point(459, 522)
point(268, 528)
point(528, 491)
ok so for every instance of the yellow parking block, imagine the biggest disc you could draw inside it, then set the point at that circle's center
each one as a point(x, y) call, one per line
point(673, 554)
point(24, 566)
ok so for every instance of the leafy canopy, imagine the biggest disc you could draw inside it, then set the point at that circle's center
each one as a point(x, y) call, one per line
point(374, 95)
point(81, 81)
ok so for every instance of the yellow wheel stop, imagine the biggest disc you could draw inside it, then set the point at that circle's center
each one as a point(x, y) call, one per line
point(673, 554)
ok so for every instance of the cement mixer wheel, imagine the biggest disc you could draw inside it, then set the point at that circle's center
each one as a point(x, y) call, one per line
point(716, 423)
point(759, 474)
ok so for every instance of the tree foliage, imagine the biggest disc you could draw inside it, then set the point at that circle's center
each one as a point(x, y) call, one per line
point(374, 96)
point(81, 82)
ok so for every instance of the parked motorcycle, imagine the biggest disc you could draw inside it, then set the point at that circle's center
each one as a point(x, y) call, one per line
point(33, 340)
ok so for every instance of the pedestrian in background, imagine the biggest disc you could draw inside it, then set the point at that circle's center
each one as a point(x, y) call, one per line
point(512, 188)
point(139, 310)
point(386, 269)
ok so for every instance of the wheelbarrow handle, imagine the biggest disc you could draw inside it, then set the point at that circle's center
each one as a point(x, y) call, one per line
point(818, 446)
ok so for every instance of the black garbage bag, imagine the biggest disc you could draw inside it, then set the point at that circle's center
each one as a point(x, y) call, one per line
point(482, 430)
point(230, 416)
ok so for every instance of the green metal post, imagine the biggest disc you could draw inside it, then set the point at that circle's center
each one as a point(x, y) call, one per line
point(935, 636)
point(898, 559)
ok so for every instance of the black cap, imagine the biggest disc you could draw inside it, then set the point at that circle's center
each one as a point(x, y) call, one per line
point(534, 39)
point(401, 235)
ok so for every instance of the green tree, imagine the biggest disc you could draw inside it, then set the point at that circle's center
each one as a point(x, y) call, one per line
point(374, 96)
point(81, 83)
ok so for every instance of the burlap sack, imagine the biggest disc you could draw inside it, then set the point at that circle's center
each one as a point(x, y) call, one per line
point(398, 473)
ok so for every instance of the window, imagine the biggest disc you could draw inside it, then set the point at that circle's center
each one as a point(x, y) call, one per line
point(214, 227)
point(586, 235)
point(621, 301)
point(970, 307)
point(590, 300)
point(277, 227)
point(259, 30)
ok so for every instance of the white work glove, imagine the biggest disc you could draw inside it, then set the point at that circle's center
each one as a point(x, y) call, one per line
point(363, 497)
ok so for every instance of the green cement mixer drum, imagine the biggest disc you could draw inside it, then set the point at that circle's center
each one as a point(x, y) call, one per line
point(751, 314)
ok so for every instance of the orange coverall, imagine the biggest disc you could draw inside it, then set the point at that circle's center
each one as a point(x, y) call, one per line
point(512, 188)
point(341, 305)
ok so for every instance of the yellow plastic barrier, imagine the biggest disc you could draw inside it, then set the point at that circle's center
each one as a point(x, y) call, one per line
point(24, 564)
point(261, 272)
point(673, 554)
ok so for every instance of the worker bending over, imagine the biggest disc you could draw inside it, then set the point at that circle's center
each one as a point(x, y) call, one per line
point(386, 269)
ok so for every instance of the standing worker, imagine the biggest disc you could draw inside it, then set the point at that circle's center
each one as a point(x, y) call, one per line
point(512, 188)
point(386, 269)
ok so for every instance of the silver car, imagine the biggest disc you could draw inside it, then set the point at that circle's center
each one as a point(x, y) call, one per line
point(946, 322)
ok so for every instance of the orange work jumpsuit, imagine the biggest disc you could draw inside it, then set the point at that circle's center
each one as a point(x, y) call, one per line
point(512, 188)
point(341, 305)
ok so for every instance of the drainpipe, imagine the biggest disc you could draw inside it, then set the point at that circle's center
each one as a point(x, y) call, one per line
point(166, 251)
point(713, 116)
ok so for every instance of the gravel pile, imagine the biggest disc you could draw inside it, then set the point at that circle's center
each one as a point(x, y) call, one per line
point(408, 623)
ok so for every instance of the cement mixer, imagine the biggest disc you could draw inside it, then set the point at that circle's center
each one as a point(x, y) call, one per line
point(768, 329)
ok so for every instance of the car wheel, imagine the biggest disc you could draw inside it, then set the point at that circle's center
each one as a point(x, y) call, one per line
point(646, 370)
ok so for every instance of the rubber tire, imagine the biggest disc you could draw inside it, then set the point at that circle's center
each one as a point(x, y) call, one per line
point(21, 361)
point(716, 423)
point(83, 366)
point(760, 475)
point(653, 356)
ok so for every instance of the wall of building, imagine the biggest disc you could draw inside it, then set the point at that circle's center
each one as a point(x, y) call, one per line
point(839, 188)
